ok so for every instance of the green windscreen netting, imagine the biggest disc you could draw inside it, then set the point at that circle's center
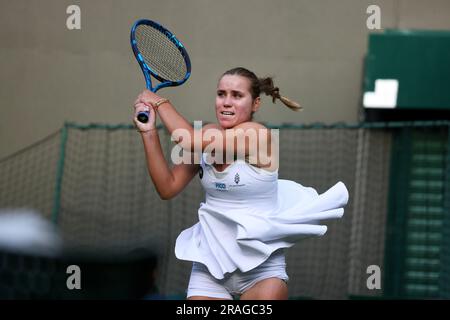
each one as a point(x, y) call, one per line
point(92, 182)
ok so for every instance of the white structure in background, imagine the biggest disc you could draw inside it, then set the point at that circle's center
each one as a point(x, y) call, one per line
point(26, 231)
point(384, 96)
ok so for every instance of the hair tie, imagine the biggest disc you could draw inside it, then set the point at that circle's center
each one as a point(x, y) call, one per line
point(275, 94)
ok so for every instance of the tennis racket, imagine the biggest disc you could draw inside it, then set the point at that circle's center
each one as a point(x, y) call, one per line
point(161, 55)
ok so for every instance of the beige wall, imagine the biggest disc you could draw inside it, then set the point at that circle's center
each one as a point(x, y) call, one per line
point(50, 74)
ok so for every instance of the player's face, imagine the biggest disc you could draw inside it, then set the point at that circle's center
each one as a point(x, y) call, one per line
point(234, 102)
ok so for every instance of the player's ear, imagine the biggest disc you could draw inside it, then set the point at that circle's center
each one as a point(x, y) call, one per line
point(256, 104)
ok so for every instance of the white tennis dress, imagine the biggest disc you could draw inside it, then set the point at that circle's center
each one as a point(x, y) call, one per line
point(249, 213)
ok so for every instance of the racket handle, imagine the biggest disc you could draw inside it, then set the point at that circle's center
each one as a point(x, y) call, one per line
point(143, 116)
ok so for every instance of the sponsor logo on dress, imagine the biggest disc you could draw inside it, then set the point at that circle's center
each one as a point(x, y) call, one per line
point(236, 178)
point(221, 186)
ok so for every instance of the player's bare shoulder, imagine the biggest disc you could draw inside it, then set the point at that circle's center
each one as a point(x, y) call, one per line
point(255, 130)
point(250, 125)
point(211, 126)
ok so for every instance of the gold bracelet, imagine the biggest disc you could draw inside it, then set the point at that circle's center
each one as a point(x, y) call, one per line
point(160, 102)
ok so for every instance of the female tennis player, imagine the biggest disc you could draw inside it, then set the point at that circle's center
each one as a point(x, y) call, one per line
point(249, 216)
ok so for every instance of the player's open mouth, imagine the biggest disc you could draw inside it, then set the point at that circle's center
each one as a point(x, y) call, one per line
point(227, 113)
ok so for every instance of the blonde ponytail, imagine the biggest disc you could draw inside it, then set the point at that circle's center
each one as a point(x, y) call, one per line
point(266, 85)
point(258, 85)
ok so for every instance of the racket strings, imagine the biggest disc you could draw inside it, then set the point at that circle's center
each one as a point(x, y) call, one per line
point(160, 53)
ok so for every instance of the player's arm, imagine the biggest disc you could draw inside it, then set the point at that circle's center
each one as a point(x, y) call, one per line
point(249, 139)
point(168, 181)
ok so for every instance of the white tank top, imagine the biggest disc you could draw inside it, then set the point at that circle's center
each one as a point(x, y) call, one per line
point(240, 185)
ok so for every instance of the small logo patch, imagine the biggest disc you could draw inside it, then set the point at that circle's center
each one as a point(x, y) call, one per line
point(236, 178)
point(221, 186)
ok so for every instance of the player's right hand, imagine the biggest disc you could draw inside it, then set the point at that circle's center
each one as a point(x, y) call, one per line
point(141, 107)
